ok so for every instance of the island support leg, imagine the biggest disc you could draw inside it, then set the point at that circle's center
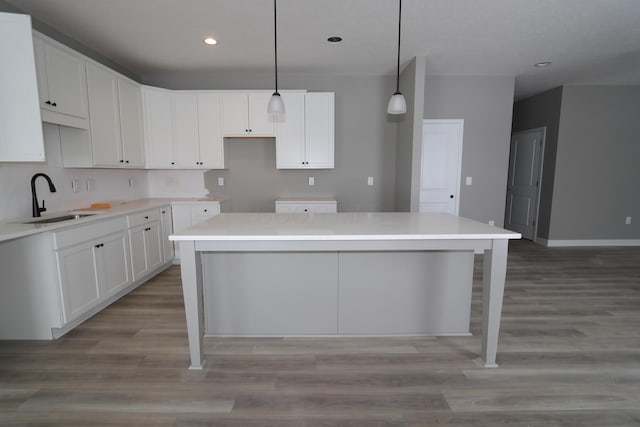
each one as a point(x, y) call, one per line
point(191, 271)
point(493, 277)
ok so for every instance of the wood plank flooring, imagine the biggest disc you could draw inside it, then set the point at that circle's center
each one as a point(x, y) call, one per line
point(569, 355)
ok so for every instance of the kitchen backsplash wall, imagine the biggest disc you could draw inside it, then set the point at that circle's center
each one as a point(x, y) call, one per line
point(177, 183)
point(104, 184)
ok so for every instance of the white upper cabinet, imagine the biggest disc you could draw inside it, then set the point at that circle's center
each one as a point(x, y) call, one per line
point(183, 129)
point(62, 84)
point(245, 114)
point(116, 119)
point(305, 133)
point(130, 102)
point(21, 137)
point(211, 146)
point(158, 128)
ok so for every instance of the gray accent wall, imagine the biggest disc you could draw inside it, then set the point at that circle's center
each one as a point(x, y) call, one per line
point(597, 173)
point(409, 137)
point(538, 111)
point(485, 103)
point(364, 144)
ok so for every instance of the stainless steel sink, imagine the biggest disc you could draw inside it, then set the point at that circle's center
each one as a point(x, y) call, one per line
point(58, 219)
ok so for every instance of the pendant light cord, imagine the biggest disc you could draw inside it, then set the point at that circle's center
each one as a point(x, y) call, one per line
point(275, 40)
point(399, 28)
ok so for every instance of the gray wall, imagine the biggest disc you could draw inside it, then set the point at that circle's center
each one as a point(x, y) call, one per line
point(409, 137)
point(485, 103)
point(538, 111)
point(364, 137)
point(597, 172)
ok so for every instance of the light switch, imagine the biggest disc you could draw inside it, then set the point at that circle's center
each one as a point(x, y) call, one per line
point(370, 180)
point(627, 220)
point(492, 222)
point(220, 181)
point(312, 181)
point(76, 185)
point(469, 180)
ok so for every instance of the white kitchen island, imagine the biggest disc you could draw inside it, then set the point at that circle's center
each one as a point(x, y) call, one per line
point(336, 274)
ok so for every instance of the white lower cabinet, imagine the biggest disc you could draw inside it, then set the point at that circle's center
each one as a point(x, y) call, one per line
point(166, 226)
point(92, 263)
point(145, 243)
point(186, 215)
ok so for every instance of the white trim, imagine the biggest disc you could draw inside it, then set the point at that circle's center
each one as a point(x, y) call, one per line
point(592, 242)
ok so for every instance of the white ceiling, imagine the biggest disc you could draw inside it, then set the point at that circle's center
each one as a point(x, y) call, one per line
point(589, 41)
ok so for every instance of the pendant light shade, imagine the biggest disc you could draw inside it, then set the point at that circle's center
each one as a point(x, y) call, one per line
point(397, 103)
point(276, 105)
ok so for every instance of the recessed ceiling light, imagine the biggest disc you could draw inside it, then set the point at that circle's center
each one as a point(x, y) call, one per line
point(334, 39)
point(542, 64)
point(210, 41)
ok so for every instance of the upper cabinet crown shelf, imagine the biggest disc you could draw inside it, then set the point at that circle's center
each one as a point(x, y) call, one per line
point(62, 83)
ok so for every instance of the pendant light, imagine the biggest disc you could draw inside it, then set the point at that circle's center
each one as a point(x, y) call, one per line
point(397, 103)
point(276, 105)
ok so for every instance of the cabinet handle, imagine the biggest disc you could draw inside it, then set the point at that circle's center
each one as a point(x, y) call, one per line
point(146, 217)
point(147, 229)
point(48, 102)
point(126, 161)
point(121, 161)
point(164, 212)
point(54, 104)
point(173, 163)
point(205, 210)
point(99, 245)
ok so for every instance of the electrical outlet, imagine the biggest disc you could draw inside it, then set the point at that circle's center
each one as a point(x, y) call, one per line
point(169, 181)
point(91, 184)
point(370, 180)
point(312, 181)
point(76, 185)
point(627, 220)
point(492, 222)
point(132, 182)
point(469, 180)
point(220, 181)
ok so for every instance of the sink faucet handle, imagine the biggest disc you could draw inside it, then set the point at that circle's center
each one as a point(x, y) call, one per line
point(42, 209)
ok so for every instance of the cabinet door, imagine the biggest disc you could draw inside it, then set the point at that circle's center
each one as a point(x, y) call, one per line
point(260, 122)
point(290, 152)
point(113, 264)
point(77, 272)
point(105, 120)
point(319, 130)
point(158, 126)
point(21, 137)
point(66, 82)
point(138, 257)
point(210, 132)
point(203, 211)
point(153, 245)
point(166, 224)
point(235, 114)
point(130, 104)
point(186, 130)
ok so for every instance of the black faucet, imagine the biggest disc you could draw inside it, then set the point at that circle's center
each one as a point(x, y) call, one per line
point(35, 207)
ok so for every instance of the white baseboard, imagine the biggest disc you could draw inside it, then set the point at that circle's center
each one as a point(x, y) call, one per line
point(586, 242)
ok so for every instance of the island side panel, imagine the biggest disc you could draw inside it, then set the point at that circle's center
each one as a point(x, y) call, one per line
point(191, 272)
point(271, 293)
point(405, 293)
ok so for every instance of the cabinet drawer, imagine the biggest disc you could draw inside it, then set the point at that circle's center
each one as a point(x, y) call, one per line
point(306, 207)
point(83, 233)
point(143, 217)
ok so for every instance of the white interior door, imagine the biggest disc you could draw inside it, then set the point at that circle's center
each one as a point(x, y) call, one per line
point(441, 166)
point(523, 187)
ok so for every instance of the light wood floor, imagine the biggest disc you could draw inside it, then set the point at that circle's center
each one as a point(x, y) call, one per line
point(569, 355)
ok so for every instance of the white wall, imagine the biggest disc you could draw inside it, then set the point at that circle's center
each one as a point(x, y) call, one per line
point(177, 183)
point(107, 184)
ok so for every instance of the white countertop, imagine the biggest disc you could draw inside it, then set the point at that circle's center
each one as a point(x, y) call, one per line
point(341, 226)
point(15, 228)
